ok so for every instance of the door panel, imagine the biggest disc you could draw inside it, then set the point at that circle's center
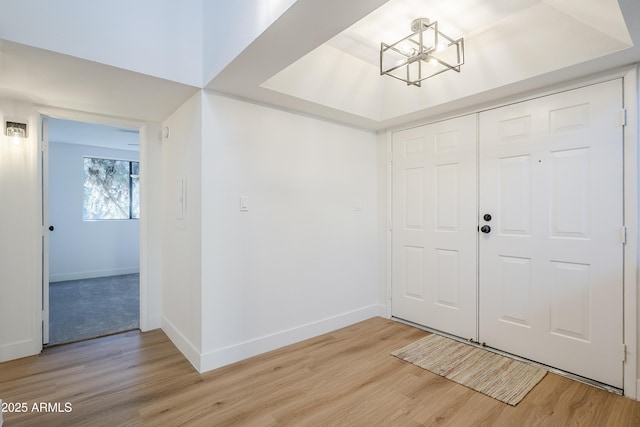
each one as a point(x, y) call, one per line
point(434, 226)
point(547, 275)
point(515, 185)
point(550, 273)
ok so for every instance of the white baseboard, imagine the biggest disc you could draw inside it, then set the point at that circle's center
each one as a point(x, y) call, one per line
point(152, 321)
point(184, 345)
point(224, 356)
point(81, 275)
point(18, 350)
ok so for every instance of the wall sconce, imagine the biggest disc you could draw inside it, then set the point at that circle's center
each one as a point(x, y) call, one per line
point(16, 131)
point(424, 53)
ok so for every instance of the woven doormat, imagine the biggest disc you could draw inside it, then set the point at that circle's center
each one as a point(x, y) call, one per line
point(500, 377)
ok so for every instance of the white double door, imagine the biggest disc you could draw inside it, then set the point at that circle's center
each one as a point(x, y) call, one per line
point(508, 229)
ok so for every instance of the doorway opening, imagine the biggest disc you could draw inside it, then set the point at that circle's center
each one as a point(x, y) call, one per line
point(91, 286)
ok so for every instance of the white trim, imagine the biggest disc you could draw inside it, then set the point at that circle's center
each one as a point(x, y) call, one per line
point(631, 166)
point(631, 188)
point(389, 242)
point(20, 349)
point(150, 313)
point(43, 178)
point(223, 356)
point(82, 116)
point(147, 320)
point(184, 345)
point(154, 321)
point(514, 99)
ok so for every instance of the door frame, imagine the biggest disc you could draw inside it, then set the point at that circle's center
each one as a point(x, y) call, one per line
point(143, 128)
point(631, 165)
point(44, 188)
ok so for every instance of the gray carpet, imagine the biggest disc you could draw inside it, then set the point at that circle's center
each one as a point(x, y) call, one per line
point(90, 308)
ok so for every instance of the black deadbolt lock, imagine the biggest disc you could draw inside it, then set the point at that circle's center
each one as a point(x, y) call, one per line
point(487, 217)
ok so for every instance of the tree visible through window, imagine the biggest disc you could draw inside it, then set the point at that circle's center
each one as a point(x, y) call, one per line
point(111, 189)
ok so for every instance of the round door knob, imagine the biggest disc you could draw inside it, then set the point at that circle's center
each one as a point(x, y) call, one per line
point(487, 217)
point(485, 229)
point(51, 228)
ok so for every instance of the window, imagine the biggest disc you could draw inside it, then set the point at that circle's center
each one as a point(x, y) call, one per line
point(111, 189)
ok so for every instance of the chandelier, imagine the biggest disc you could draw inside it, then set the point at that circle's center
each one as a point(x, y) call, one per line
point(424, 53)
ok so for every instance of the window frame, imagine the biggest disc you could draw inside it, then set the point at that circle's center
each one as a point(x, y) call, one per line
point(131, 208)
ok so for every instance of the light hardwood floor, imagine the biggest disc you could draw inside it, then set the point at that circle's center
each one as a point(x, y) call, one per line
point(344, 378)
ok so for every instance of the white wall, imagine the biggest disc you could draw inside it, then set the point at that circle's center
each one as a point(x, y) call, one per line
point(81, 249)
point(181, 255)
point(303, 259)
point(229, 27)
point(20, 235)
point(384, 215)
point(158, 38)
point(151, 226)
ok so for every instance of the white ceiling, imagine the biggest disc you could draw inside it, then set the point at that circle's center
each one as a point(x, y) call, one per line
point(322, 58)
point(511, 46)
point(53, 79)
point(391, 22)
point(473, 18)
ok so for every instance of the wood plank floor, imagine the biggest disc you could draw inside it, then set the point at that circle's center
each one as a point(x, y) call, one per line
point(344, 378)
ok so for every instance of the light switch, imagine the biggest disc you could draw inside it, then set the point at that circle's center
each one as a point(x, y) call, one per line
point(244, 204)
